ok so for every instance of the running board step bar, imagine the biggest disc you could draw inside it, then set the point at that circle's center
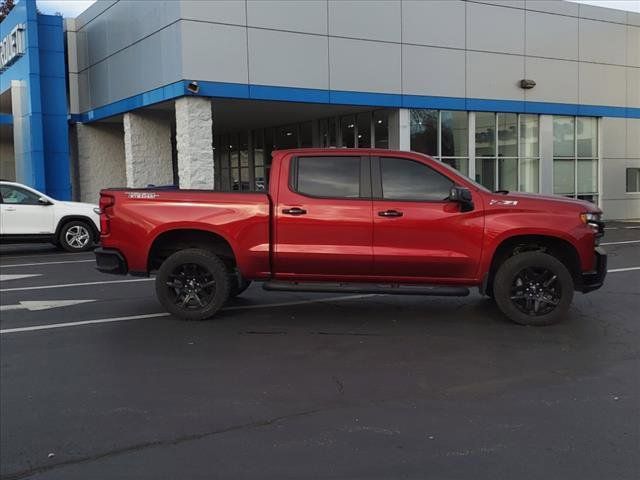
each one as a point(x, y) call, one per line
point(389, 289)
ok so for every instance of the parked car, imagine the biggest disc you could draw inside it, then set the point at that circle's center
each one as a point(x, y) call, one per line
point(27, 215)
point(357, 220)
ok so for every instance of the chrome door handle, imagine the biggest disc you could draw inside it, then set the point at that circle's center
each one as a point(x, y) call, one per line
point(390, 213)
point(294, 211)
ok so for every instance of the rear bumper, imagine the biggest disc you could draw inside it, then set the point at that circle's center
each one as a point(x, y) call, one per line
point(594, 279)
point(109, 260)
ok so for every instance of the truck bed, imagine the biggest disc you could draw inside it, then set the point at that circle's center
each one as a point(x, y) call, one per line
point(242, 219)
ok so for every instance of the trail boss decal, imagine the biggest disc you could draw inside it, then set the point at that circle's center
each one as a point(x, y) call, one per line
point(504, 203)
point(142, 195)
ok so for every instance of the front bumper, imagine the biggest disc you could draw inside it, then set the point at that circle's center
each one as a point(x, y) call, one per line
point(109, 260)
point(595, 279)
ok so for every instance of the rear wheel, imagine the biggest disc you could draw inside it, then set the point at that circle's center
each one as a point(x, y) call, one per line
point(193, 284)
point(533, 288)
point(76, 236)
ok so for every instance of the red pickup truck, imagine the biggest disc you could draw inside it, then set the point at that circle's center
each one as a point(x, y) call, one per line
point(356, 220)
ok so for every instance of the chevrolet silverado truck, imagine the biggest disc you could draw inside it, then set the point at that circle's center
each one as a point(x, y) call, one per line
point(356, 220)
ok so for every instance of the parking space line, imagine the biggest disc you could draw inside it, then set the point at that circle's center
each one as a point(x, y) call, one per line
point(620, 243)
point(46, 263)
point(84, 322)
point(165, 314)
point(44, 287)
point(615, 270)
point(43, 255)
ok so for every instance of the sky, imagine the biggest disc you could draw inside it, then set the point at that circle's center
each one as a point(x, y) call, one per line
point(73, 8)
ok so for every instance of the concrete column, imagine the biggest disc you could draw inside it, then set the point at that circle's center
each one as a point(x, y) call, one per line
point(147, 149)
point(194, 140)
point(400, 129)
point(100, 158)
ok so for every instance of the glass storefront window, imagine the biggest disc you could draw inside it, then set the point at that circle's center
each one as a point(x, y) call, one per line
point(563, 136)
point(306, 137)
point(454, 128)
point(508, 174)
point(587, 137)
point(486, 172)
point(364, 130)
point(461, 164)
point(508, 135)
point(381, 128)
point(564, 176)
point(287, 137)
point(633, 180)
point(529, 136)
point(348, 131)
point(424, 131)
point(529, 175)
point(485, 134)
point(587, 176)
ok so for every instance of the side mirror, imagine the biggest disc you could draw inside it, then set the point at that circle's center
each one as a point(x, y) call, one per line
point(462, 196)
point(44, 201)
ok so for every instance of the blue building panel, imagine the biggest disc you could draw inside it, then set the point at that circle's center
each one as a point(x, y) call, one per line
point(42, 158)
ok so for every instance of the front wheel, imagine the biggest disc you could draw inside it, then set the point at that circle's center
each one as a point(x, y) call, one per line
point(193, 284)
point(76, 236)
point(533, 288)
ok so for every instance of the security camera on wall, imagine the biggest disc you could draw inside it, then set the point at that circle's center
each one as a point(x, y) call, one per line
point(193, 87)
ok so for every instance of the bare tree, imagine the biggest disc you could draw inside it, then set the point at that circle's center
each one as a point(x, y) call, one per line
point(5, 8)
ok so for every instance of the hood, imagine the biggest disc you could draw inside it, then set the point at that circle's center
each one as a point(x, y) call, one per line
point(542, 202)
point(89, 206)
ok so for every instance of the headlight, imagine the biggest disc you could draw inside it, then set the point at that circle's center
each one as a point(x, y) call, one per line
point(592, 219)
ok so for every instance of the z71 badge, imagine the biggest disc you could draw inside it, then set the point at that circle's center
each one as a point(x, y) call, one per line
point(504, 203)
point(142, 195)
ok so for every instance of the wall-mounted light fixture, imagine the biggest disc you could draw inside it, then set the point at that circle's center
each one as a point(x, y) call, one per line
point(527, 83)
point(193, 87)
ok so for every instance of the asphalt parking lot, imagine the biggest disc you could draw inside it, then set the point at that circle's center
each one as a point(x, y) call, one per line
point(290, 386)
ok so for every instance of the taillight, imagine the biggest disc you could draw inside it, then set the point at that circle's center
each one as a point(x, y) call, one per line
point(106, 202)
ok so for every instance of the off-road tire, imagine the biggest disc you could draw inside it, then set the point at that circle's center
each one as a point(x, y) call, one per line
point(205, 261)
point(506, 278)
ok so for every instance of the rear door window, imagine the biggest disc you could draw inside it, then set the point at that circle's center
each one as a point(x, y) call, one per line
point(333, 177)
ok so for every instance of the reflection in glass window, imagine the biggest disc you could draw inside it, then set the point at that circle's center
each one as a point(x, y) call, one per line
point(508, 174)
point(587, 137)
point(337, 177)
point(364, 130)
point(587, 176)
point(563, 136)
point(485, 134)
point(381, 128)
point(455, 137)
point(424, 131)
point(348, 131)
point(507, 135)
point(460, 164)
point(408, 180)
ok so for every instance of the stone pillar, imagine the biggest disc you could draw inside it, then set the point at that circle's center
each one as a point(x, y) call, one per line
point(194, 141)
point(100, 159)
point(147, 149)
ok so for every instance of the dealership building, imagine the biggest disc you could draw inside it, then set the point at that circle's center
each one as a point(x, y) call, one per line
point(531, 95)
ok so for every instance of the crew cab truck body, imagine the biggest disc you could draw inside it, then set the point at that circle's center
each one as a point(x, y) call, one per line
point(356, 220)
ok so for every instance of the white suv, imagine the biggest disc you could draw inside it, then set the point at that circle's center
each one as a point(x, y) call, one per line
point(27, 215)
